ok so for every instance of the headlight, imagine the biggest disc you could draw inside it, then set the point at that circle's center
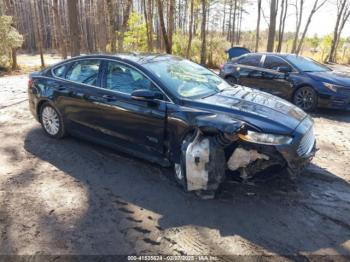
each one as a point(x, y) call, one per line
point(331, 87)
point(266, 139)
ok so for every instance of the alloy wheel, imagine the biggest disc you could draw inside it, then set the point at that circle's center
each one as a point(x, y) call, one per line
point(178, 171)
point(305, 98)
point(231, 80)
point(50, 120)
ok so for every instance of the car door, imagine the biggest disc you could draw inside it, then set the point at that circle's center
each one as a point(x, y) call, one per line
point(137, 125)
point(249, 70)
point(272, 80)
point(74, 83)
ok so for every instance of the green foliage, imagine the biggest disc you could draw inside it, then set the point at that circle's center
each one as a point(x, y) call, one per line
point(135, 39)
point(314, 41)
point(10, 38)
point(216, 47)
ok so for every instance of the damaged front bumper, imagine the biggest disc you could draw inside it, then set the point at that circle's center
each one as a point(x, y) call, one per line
point(208, 155)
point(251, 158)
point(303, 148)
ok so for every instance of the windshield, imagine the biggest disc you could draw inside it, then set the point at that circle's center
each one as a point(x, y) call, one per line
point(187, 79)
point(306, 64)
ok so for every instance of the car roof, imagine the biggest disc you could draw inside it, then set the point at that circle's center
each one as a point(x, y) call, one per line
point(271, 53)
point(133, 57)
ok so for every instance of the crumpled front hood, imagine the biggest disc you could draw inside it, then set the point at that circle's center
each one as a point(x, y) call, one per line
point(332, 77)
point(262, 110)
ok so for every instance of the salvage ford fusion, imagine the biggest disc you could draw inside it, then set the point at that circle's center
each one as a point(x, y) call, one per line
point(173, 112)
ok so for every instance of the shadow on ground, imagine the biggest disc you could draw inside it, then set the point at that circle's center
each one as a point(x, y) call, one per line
point(132, 200)
point(333, 114)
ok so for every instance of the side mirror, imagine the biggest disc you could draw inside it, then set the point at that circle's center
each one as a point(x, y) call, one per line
point(284, 69)
point(143, 95)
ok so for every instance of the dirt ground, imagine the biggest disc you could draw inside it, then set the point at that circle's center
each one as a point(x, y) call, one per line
point(73, 197)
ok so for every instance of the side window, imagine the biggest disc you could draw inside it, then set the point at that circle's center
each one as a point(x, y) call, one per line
point(124, 79)
point(85, 72)
point(59, 71)
point(250, 60)
point(273, 62)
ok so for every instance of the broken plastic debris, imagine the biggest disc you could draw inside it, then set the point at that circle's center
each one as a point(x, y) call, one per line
point(197, 157)
point(242, 158)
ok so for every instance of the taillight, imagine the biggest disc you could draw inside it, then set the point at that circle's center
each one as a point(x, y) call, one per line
point(30, 82)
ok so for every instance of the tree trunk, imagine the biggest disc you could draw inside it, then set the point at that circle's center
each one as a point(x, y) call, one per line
point(74, 27)
point(112, 27)
point(258, 27)
point(190, 33)
point(203, 33)
point(61, 39)
point(234, 24)
point(224, 19)
point(14, 65)
point(299, 17)
point(171, 22)
point(102, 32)
point(38, 33)
point(272, 27)
point(149, 23)
point(229, 24)
point(126, 15)
point(313, 11)
point(332, 55)
point(239, 28)
point(283, 15)
point(342, 17)
point(162, 26)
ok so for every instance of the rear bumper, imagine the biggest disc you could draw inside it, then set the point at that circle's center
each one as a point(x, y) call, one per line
point(33, 105)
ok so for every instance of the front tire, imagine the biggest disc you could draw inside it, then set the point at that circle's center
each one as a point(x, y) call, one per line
point(180, 168)
point(180, 175)
point(231, 80)
point(52, 121)
point(306, 98)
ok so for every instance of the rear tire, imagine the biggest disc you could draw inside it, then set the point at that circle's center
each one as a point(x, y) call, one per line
point(306, 98)
point(51, 121)
point(231, 80)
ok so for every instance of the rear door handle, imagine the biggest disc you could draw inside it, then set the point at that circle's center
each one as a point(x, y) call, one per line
point(109, 98)
point(65, 90)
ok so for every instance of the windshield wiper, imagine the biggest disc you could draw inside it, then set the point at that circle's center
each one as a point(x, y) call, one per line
point(208, 95)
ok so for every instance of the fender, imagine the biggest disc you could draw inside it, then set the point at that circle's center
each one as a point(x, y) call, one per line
point(181, 123)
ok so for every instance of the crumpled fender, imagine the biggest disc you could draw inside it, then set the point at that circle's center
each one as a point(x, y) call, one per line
point(204, 163)
point(213, 123)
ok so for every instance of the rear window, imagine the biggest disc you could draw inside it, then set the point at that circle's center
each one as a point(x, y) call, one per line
point(250, 60)
point(60, 71)
point(274, 62)
point(85, 71)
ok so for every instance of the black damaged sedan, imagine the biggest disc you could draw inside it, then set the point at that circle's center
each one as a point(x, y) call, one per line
point(173, 112)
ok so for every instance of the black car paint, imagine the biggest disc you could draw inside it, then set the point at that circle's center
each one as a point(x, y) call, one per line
point(154, 130)
point(285, 84)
